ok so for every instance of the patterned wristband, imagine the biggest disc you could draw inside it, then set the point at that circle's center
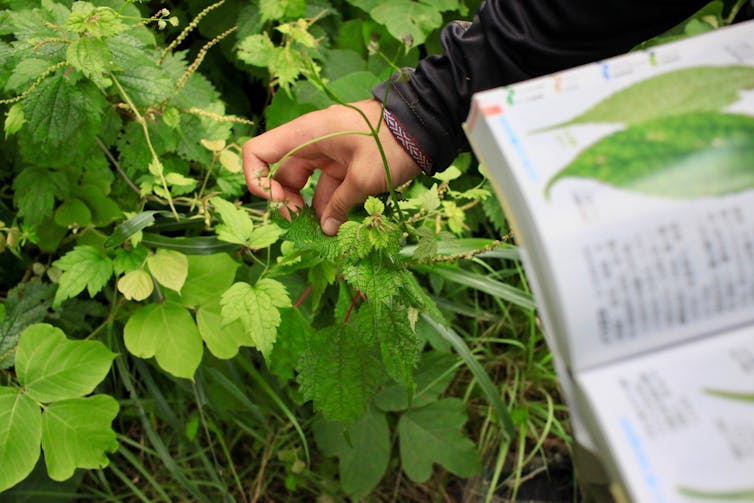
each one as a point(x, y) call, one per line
point(408, 142)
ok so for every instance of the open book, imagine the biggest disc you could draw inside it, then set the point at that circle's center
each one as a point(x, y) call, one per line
point(629, 184)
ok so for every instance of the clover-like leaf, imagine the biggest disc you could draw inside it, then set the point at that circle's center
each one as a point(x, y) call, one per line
point(169, 268)
point(50, 367)
point(20, 434)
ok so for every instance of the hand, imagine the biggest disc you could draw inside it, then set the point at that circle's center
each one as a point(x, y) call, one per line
point(351, 165)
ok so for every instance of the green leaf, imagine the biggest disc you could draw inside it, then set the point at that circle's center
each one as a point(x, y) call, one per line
point(223, 340)
point(92, 57)
point(129, 260)
point(50, 367)
point(76, 433)
point(146, 84)
point(104, 210)
point(340, 369)
point(307, 234)
point(130, 227)
point(398, 342)
point(20, 436)
point(136, 285)
point(363, 449)
point(168, 332)
point(407, 20)
point(257, 308)
point(94, 21)
point(293, 333)
point(83, 267)
point(374, 206)
point(34, 191)
point(377, 277)
point(695, 89)
point(256, 50)
point(432, 434)
point(265, 236)
point(433, 376)
point(209, 276)
point(25, 71)
point(26, 304)
point(14, 120)
point(73, 213)
point(681, 156)
point(170, 268)
point(237, 226)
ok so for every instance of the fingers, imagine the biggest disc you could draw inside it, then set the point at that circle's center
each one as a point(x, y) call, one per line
point(343, 198)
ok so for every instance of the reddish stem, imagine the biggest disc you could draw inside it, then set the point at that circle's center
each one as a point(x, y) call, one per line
point(303, 297)
point(355, 298)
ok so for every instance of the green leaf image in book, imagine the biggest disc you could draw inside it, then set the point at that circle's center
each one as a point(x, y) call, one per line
point(681, 156)
point(695, 89)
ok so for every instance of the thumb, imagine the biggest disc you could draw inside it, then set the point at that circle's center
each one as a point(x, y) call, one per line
point(342, 200)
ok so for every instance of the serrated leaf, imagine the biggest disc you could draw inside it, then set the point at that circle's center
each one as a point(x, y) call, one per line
point(256, 49)
point(25, 71)
point(408, 21)
point(170, 268)
point(682, 156)
point(26, 304)
point(92, 57)
point(167, 332)
point(695, 89)
point(293, 334)
point(257, 308)
point(77, 433)
point(379, 279)
point(363, 449)
point(34, 192)
point(50, 367)
point(20, 436)
point(237, 226)
point(136, 285)
point(307, 234)
point(145, 84)
point(433, 376)
point(83, 267)
point(340, 370)
point(432, 434)
point(95, 21)
point(399, 344)
point(223, 340)
point(209, 276)
point(14, 120)
point(374, 206)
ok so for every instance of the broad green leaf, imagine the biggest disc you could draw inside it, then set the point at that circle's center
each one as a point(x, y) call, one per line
point(340, 369)
point(237, 226)
point(92, 57)
point(223, 340)
point(307, 234)
point(695, 89)
point(363, 449)
point(168, 332)
point(682, 156)
point(170, 268)
point(257, 308)
point(14, 119)
point(73, 213)
point(293, 333)
point(77, 433)
point(433, 376)
point(26, 304)
point(34, 192)
point(209, 276)
point(129, 260)
point(432, 434)
point(104, 210)
point(83, 267)
point(20, 436)
point(50, 367)
point(398, 342)
point(25, 71)
point(265, 236)
point(256, 50)
point(407, 20)
point(136, 285)
point(231, 161)
point(145, 84)
point(377, 277)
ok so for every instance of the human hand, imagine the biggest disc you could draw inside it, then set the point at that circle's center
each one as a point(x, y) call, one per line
point(351, 164)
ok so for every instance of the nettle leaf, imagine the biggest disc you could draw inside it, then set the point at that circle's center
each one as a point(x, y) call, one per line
point(363, 449)
point(26, 304)
point(695, 89)
point(169, 268)
point(34, 191)
point(340, 369)
point(223, 340)
point(258, 309)
point(92, 57)
point(50, 367)
point(94, 21)
point(209, 276)
point(256, 50)
point(685, 156)
point(306, 233)
point(146, 84)
point(398, 342)
point(377, 277)
point(14, 120)
point(136, 285)
point(20, 435)
point(432, 434)
point(168, 333)
point(77, 433)
point(293, 333)
point(83, 267)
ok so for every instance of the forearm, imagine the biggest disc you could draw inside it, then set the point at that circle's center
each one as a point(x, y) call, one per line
point(509, 41)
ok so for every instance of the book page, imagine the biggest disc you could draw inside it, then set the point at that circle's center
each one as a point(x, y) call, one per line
point(632, 181)
point(679, 423)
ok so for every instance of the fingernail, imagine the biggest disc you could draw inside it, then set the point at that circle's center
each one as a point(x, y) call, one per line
point(331, 225)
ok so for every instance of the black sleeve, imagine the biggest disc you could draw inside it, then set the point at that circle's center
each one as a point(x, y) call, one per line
point(513, 40)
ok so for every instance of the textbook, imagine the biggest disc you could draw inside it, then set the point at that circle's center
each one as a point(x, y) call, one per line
point(629, 185)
